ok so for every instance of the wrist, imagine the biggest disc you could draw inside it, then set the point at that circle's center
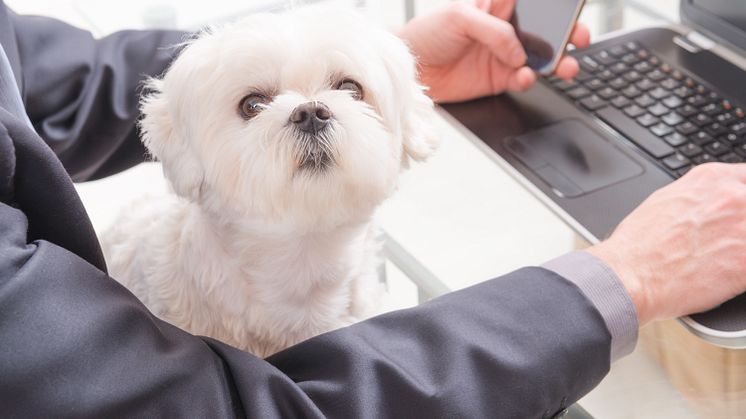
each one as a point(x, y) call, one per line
point(630, 274)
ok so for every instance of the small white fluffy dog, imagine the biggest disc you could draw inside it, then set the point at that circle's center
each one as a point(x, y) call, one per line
point(280, 135)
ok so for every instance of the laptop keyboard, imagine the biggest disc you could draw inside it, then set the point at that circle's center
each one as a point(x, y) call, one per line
point(668, 113)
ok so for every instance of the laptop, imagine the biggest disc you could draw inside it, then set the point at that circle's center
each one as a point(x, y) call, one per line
point(646, 107)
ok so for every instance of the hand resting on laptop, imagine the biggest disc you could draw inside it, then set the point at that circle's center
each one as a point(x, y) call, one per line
point(684, 249)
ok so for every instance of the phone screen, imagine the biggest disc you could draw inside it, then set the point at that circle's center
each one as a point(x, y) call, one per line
point(543, 27)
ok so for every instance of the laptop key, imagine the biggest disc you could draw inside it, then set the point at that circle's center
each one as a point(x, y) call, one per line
point(619, 68)
point(658, 109)
point(686, 128)
point(593, 103)
point(594, 84)
point(690, 150)
point(711, 109)
point(716, 129)
point(656, 75)
point(717, 148)
point(741, 150)
point(687, 110)
point(683, 92)
point(645, 84)
point(578, 93)
point(564, 85)
point(647, 120)
point(583, 77)
point(677, 161)
point(704, 158)
point(632, 46)
point(673, 102)
point(618, 83)
point(669, 84)
point(676, 139)
point(701, 138)
point(659, 93)
point(631, 59)
point(618, 50)
point(589, 64)
point(605, 58)
point(606, 75)
point(661, 129)
point(725, 118)
point(701, 119)
point(645, 101)
point(739, 128)
point(632, 76)
point(633, 111)
point(631, 92)
point(731, 139)
point(673, 119)
point(684, 171)
point(730, 158)
point(620, 102)
point(643, 67)
point(698, 101)
point(655, 146)
point(607, 93)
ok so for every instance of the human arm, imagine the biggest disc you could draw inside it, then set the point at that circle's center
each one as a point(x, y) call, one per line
point(82, 94)
point(679, 253)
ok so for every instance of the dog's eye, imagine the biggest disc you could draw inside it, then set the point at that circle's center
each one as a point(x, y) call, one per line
point(352, 86)
point(251, 105)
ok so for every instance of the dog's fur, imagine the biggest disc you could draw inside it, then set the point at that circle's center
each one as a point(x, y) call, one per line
point(268, 239)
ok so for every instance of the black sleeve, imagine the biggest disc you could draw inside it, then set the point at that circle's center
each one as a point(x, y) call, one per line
point(82, 94)
point(75, 343)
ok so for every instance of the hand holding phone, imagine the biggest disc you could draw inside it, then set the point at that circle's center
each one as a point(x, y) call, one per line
point(544, 28)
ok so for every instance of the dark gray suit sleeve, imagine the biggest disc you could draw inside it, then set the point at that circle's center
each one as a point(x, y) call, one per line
point(82, 93)
point(77, 344)
point(74, 343)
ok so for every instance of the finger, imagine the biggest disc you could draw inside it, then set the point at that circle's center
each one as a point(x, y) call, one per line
point(567, 68)
point(521, 79)
point(502, 9)
point(496, 35)
point(581, 36)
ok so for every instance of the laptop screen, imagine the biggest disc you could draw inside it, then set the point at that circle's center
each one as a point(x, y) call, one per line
point(732, 11)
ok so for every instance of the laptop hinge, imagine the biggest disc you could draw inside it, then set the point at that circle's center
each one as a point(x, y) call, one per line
point(694, 42)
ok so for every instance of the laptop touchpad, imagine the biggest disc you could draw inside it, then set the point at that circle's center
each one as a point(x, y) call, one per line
point(573, 158)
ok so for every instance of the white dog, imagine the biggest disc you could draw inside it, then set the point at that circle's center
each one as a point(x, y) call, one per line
point(280, 135)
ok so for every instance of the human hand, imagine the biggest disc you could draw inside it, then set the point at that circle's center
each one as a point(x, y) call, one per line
point(469, 49)
point(684, 249)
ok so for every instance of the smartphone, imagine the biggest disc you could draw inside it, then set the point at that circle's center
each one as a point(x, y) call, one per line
point(544, 28)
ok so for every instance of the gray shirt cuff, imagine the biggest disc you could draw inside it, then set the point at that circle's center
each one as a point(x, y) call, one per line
point(605, 290)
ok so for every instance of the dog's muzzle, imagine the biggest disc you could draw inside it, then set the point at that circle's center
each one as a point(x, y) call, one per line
point(315, 150)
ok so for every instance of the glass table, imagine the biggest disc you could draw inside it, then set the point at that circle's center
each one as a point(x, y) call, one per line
point(462, 218)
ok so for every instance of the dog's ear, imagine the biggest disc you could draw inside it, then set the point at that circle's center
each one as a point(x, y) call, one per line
point(421, 138)
point(415, 110)
point(166, 143)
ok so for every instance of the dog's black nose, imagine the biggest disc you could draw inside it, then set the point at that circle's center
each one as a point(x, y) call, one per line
point(311, 117)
